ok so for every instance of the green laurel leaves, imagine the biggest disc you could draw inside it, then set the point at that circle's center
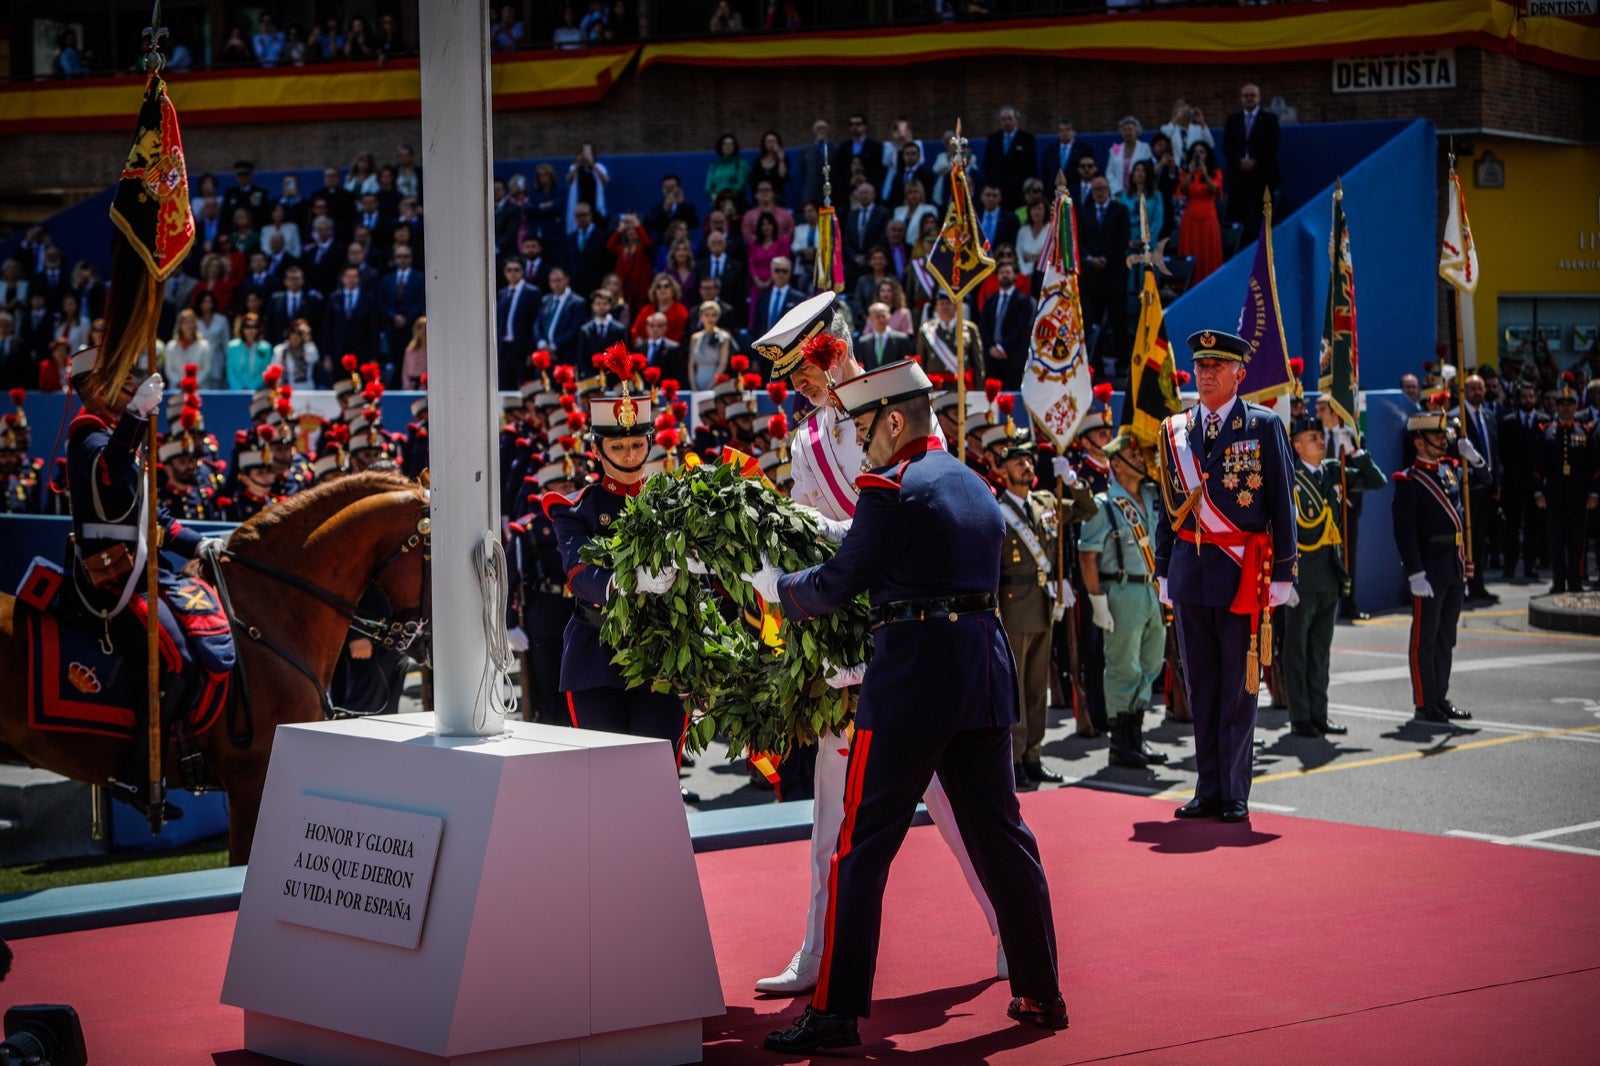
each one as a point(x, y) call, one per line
point(702, 637)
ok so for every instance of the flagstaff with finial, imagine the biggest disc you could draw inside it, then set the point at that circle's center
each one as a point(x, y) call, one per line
point(959, 260)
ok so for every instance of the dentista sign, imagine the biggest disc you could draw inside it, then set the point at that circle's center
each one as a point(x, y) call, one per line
point(1401, 72)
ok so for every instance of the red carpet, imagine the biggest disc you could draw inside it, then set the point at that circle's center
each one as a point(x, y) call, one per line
point(1180, 943)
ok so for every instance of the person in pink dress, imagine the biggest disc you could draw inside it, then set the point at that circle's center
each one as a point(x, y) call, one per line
point(767, 246)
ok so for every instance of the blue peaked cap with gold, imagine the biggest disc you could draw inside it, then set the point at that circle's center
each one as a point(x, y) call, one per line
point(1215, 344)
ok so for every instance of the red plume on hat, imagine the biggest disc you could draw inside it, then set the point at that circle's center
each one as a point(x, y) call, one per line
point(1567, 378)
point(285, 406)
point(680, 410)
point(188, 384)
point(777, 392)
point(1297, 366)
point(577, 421)
point(664, 420)
point(822, 351)
point(1005, 404)
point(267, 433)
point(669, 389)
point(752, 382)
point(371, 371)
point(1102, 392)
point(991, 388)
point(189, 417)
point(568, 402)
point(739, 364)
point(720, 378)
point(669, 438)
point(540, 359)
point(652, 376)
point(636, 363)
point(372, 391)
point(615, 359)
point(350, 362)
point(567, 441)
point(563, 374)
point(17, 396)
point(1439, 400)
point(778, 425)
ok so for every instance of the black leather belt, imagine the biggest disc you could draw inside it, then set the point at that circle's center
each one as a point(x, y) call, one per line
point(1007, 582)
point(1129, 579)
point(1439, 540)
point(587, 613)
point(946, 608)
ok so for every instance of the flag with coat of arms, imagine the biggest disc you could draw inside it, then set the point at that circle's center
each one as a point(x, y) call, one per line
point(1056, 383)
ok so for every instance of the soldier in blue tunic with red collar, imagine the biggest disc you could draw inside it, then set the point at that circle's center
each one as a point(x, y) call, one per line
point(925, 547)
point(1226, 551)
point(21, 478)
point(597, 696)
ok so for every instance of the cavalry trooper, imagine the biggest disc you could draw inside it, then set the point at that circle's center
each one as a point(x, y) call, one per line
point(812, 346)
point(1033, 595)
point(1428, 535)
point(1116, 555)
point(925, 547)
point(21, 478)
point(1225, 553)
point(1567, 486)
point(1312, 611)
point(541, 604)
point(181, 491)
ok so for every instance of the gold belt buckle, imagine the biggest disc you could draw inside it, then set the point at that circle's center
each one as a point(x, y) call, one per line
point(1042, 580)
point(1458, 540)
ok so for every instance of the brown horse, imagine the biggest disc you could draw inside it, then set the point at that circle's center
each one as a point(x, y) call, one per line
point(290, 577)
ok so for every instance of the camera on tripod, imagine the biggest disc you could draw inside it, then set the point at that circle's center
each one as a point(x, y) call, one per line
point(43, 1034)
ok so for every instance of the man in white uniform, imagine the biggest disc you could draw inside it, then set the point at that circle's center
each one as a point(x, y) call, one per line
point(825, 461)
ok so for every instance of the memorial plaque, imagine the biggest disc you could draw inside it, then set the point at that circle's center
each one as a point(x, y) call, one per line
point(357, 869)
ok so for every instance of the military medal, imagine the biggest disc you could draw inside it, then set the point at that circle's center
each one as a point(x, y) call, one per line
point(1254, 481)
point(1230, 482)
point(1245, 497)
point(1016, 556)
point(605, 520)
point(1237, 423)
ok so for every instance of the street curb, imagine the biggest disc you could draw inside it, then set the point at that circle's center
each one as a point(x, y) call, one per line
point(1545, 612)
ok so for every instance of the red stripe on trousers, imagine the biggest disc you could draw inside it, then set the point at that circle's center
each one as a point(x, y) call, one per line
point(860, 746)
point(1416, 638)
point(572, 710)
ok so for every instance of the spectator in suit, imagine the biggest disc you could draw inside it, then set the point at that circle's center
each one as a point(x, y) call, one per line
point(535, 263)
point(660, 350)
point(401, 302)
point(710, 292)
point(864, 229)
point(359, 255)
point(18, 370)
point(597, 334)
point(1125, 153)
point(860, 148)
point(323, 259)
point(913, 170)
point(899, 252)
point(587, 258)
point(34, 329)
point(516, 309)
point(1103, 268)
point(720, 221)
point(879, 344)
point(293, 302)
point(52, 279)
point(865, 292)
point(260, 280)
point(1187, 127)
point(376, 219)
point(560, 317)
point(779, 299)
point(1006, 325)
point(997, 225)
point(14, 286)
point(341, 202)
point(1082, 183)
point(283, 226)
point(672, 208)
point(730, 273)
point(1064, 160)
point(1010, 157)
point(350, 325)
point(248, 195)
point(811, 160)
point(1250, 145)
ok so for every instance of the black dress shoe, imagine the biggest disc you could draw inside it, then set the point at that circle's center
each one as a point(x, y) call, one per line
point(1331, 727)
point(1199, 808)
point(689, 795)
point(1037, 772)
point(1304, 729)
point(1450, 712)
point(814, 1030)
point(1153, 756)
point(1235, 811)
point(1024, 782)
point(1037, 1012)
point(1428, 714)
point(1355, 616)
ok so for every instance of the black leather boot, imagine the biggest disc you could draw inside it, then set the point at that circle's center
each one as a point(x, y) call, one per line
point(1125, 743)
point(1151, 755)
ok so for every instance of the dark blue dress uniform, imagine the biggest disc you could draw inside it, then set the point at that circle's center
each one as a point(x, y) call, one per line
point(21, 491)
point(1245, 489)
point(196, 503)
point(597, 695)
point(1566, 482)
point(1428, 536)
point(542, 606)
point(925, 546)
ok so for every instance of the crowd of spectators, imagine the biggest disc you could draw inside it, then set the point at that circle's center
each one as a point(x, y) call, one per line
point(301, 277)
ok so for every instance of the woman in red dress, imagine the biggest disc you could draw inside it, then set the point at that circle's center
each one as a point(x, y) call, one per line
point(1199, 233)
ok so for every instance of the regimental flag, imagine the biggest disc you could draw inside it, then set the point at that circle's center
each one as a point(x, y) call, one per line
point(830, 254)
point(1339, 380)
point(1268, 378)
point(155, 230)
point(1458, 256)
point(958, 260)
point(1056, 384)
point(1152, 385)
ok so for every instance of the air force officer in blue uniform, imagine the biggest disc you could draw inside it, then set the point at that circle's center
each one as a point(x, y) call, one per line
point(1226, 550)
point(925, 546)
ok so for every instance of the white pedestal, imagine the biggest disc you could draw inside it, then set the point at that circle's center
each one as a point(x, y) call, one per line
point(565, 922)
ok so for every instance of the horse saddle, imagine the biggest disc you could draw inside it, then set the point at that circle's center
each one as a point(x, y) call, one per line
point(85, 675)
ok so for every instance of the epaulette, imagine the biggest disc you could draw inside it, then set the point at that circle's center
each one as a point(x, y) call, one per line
point(1403, 475)
point(516, 527)
point(86, 418)
point(556, 499)
point(38, 465)
point(877, 481)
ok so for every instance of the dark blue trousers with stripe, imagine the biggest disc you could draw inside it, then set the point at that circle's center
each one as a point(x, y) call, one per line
point(1214, 644)
point(887, 775)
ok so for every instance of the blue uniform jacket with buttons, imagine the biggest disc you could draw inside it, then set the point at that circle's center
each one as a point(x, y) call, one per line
point(1428, 521)
point(585, 660)
point(925, 527)
point(537, 575)
point(106, 482)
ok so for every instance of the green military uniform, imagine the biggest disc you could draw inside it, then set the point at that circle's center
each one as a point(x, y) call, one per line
point(1122, 534)
point(1323, 580)
point(1027, 578)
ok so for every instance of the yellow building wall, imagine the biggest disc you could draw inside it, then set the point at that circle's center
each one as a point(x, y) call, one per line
point(1537, 236)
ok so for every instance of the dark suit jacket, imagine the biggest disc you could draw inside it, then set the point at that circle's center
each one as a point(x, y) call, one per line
point(1005, 229)
point(1050, 164)
point(871, 163)
point(594, 338)
point(897, 187)
point(761, 319)
point(1108, 239)
point(855, 247)
point(1014, 333)
point(346, 333)
point(1009, 170)
point(671, 358)
point(409, 304)
point(811, 171)
point(586, 266)
point(35, 339)
point(896, 346)
point(1486, 476)
point(1518, 445)
point(1262, 146)
point(268, 285)
point(311, 307)
point(735, 282)
point(558, 324)
point(323, 266)
point(518, 326)
point(657, 221)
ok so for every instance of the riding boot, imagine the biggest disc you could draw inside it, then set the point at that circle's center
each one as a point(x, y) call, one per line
point(1151, 755)
point(1125, 743)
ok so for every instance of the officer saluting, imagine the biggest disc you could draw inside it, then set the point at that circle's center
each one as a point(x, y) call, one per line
point(925, 547)
point(1225, 553)
point(1428, 534)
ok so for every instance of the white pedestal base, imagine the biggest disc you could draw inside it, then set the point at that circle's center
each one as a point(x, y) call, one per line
point(565, 922)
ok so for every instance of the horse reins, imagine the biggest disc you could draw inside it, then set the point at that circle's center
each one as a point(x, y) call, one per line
point(396, 633)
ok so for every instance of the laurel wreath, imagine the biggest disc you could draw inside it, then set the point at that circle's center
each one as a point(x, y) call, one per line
point(759, 683)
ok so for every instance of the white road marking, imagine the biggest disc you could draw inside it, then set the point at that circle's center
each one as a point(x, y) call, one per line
point(1464, 666)
point(1526, 841)
point(1275, 808)
point(1546, 834)
point(1475, 723)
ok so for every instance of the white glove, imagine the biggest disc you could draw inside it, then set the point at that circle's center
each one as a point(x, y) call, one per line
point(1294, 597)
point(517, 639)
point(1468, 452)
point(208, 545)
point(654, 584)
point(1061, 467)
point(764, 580)
point(844, 676)
point(1102, 611)
point(1420, 586)
point(831, 529)
point(1161, 591)
point(148, 396)
point(694, 565)
point(1065, 596)
point(1278, 594)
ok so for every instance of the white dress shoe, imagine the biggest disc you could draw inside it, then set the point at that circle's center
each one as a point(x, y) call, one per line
point(800, 975)
point(1001, 970)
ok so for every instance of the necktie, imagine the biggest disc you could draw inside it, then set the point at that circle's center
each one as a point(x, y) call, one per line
point(861, 226)
point(772, 309)
point(1008, 141)
point(1000, 308)
point(655, 346)
point(349, 302)
point(1065, 152)
point(400, 283)
point(1249, 123)
point(1100, 214)
point(716, 266)
point(878, 349)
point(1483, 435)
point(511, 313)
point(988, 225)
point(293, 302)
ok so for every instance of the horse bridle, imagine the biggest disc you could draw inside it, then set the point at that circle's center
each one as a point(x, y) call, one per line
point(395, 632)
